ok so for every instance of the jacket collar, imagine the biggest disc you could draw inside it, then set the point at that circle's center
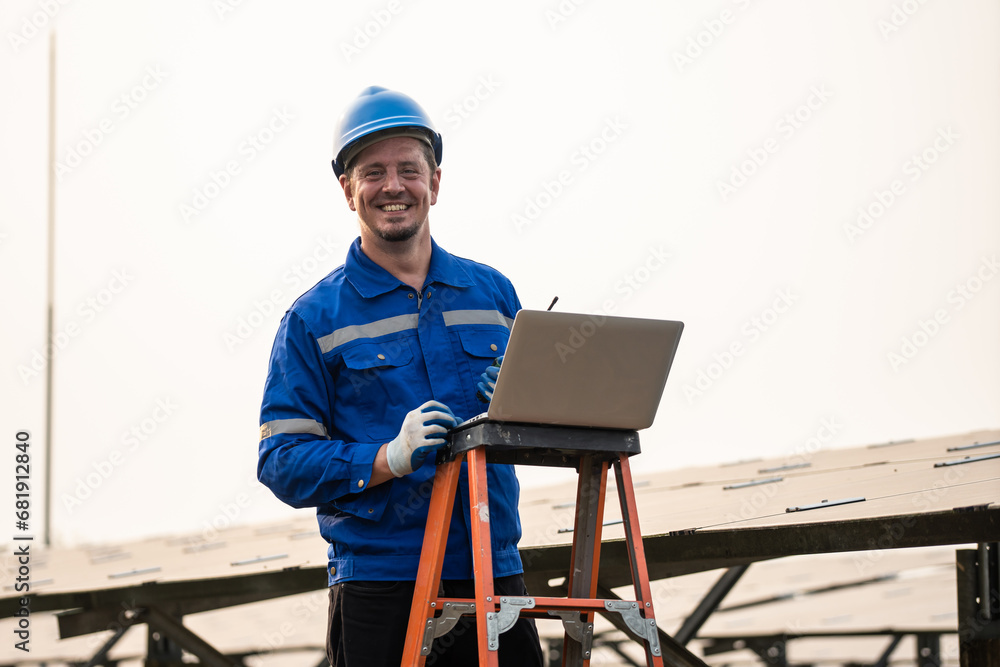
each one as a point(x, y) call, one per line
point(371, 280)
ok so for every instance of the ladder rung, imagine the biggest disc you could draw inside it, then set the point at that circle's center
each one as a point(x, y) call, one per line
point(544, 604)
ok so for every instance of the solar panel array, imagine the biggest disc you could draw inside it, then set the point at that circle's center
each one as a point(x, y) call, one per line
point(876, 588)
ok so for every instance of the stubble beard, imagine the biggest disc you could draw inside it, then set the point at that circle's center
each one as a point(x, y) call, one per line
point(394, 233)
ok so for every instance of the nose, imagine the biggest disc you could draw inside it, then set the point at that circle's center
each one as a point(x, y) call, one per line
point(392, 183)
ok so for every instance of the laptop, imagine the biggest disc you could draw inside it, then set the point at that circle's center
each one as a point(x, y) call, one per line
point(571, 369)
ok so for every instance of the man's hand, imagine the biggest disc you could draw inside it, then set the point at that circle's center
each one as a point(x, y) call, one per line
point(422, 433)
point(488, 381)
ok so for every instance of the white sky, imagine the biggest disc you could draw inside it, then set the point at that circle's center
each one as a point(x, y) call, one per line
point(835, 101)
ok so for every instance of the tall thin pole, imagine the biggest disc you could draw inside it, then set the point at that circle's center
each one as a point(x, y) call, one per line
point(50, 317)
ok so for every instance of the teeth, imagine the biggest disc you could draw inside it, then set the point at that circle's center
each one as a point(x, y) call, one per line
point(394, 207)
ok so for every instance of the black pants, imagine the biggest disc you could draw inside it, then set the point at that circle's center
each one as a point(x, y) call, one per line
point(368, 620)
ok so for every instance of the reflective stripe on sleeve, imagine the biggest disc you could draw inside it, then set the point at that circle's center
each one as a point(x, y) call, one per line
point(292, 426)
point(453, 317)
point(374, 329)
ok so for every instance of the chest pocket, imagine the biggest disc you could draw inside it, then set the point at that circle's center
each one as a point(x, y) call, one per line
point(480, 348)
point(375, 379)
point(487, 344)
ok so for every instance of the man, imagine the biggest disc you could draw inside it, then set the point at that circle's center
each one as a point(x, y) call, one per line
point(369, 369)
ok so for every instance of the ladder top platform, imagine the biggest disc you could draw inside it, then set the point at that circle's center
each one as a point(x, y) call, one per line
point(537, 444)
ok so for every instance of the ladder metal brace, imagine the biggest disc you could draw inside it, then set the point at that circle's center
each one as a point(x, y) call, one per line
point(450, 613)
point(643, 628)
point(577, 629)
point(504, 620)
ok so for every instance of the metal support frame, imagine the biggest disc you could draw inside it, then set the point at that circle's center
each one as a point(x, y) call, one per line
point(167, 636)
point(978, 574)
point(101, 657)
point(161, 649)
point(101, 610)
point(772, 650)
point(709, 604)
point(172, 628)
point(883, 660)
point(978, 585)
point(688, 551)
point(928, 649)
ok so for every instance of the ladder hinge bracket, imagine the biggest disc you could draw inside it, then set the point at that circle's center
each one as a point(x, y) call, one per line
point(643, 628)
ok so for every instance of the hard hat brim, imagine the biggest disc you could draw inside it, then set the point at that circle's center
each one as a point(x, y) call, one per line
point(354, 149)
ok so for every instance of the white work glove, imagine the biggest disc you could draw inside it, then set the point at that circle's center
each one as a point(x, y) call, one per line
point(422, 433)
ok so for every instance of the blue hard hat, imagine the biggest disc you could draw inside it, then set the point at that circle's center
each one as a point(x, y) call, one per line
point(377, 109)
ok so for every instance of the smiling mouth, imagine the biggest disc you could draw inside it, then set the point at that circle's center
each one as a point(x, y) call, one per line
point(389, 208)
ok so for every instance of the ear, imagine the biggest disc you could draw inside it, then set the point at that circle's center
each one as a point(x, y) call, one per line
point(435, 185)
point(348, 187)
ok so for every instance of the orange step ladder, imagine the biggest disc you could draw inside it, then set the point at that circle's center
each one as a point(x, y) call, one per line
point(592, 452)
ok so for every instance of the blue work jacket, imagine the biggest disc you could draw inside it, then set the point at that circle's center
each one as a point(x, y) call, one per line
point(351, 357)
